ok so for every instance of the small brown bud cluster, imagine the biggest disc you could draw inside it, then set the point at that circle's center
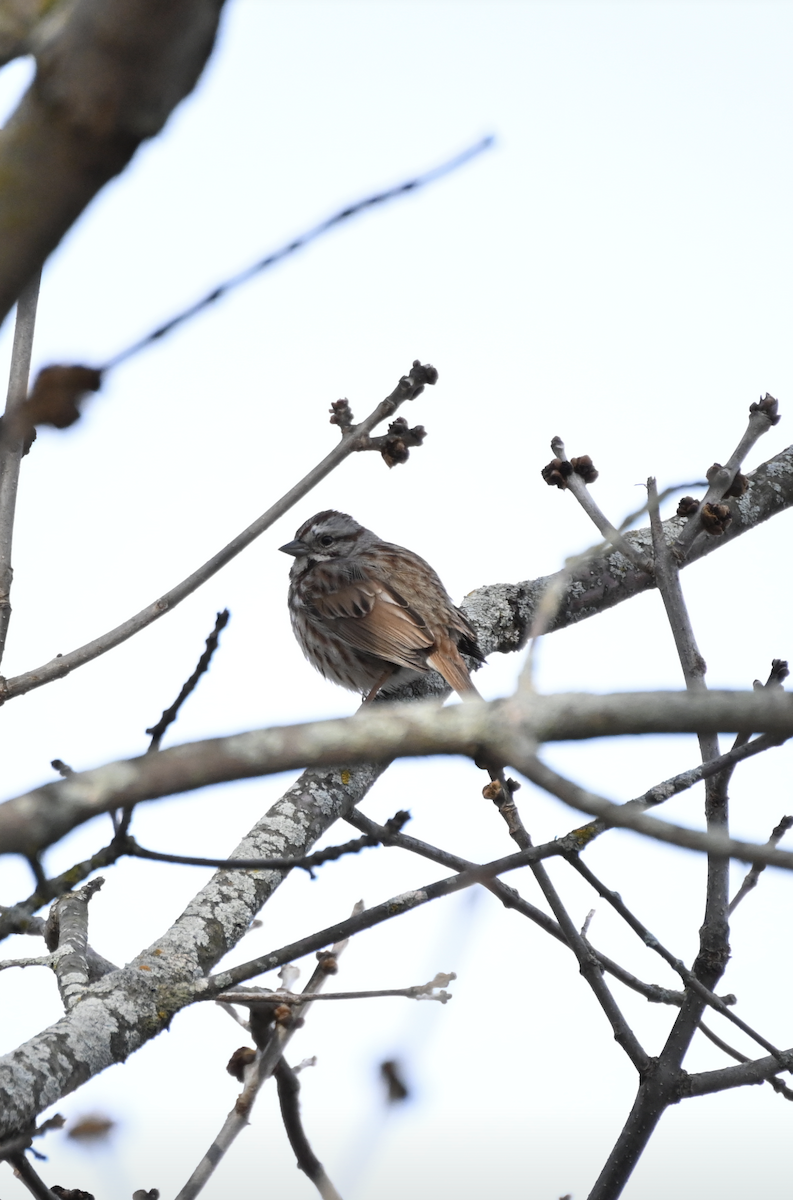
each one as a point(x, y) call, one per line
point(397, 442)
point(559, 470)
point(584, 467)
point(494, 791)
point(687, 506)
point(341, 413)
point(240, 1059)
point(769, 406)
point(716, 518)
point(71, 1193)
point(328, 962)
point(420, 375)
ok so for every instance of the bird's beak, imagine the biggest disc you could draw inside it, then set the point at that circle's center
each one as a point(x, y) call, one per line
point(296, 548)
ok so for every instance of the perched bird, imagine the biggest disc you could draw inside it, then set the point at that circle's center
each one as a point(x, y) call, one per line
point(370, 615)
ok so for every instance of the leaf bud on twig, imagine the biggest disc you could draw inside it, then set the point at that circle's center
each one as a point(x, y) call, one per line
point(769, 406)
point(715, 519)
point(687, 506)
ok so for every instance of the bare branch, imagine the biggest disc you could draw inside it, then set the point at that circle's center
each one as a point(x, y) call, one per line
point(758, 1070)
point(419, 991)
point(510, 898)
point(66, 935)
point(298, 243)
point(288, 1091)
point(621, 817)
point(575, 482)
point(659, 793)
point(170, 714)
point(761, 417)
point(268, 1056)
point(12, 443)
point(592, 973)
point(409, 386)
point(689, 978)
point(503, 731)
point(108, 78)
point(307, 862)
point(776, 1084)
point(502, 614)
point(754, 874)
point(31, 1179)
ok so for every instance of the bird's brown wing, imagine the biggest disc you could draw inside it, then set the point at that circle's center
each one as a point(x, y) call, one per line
point(374, 619)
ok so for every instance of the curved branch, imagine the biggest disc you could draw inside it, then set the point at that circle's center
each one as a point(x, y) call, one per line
point(505, 730)
point(109, 76)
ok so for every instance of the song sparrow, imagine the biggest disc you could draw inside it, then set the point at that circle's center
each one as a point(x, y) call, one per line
point(371, 615)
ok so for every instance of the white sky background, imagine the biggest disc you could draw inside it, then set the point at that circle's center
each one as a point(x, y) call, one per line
point(616, 271)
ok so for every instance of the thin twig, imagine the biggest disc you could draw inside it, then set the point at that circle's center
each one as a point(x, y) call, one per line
point(754, 873)
point(32, 1181)
point(512, 899)
point(170, 714)
point(409, 386)
point(651, 941)
point(297, 243)
point(503, 730)
point(307, 862)
point(616, 815)
point(17, 918)
point(419, 991)
point(659, 793)
point(259, 1071)
point(591, 971)
point(760, 421)
point(659, 1086)
point(777, 1084)
point(288, 1086)
point(12, 441)
point(575, 484)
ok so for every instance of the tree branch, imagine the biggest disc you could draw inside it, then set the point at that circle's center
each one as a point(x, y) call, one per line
point(12, 441)
point(108, 78)
point(504, 730)
point(409, 386)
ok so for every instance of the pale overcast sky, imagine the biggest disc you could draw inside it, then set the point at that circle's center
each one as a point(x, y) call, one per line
point(617, 271)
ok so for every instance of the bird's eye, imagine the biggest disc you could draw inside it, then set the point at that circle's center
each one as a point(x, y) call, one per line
point(326, 540)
